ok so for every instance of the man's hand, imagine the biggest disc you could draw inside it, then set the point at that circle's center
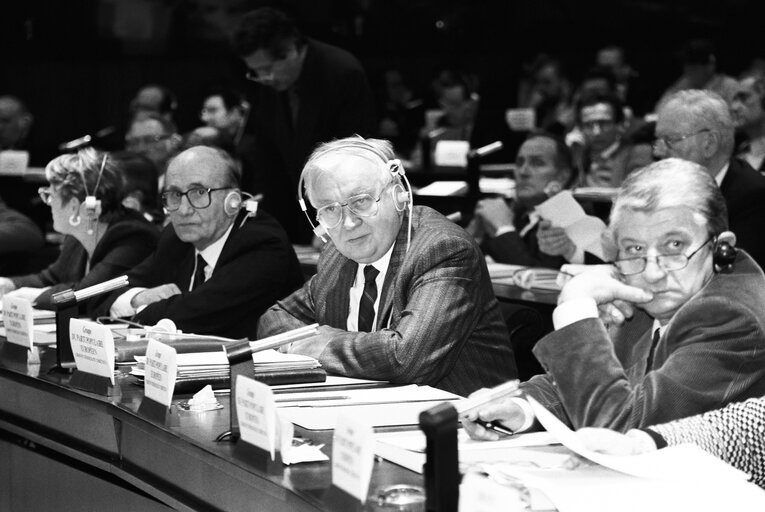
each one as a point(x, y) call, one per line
point(314, 345)
point(604, 440)
point(494, 214)
point(6, 285)
point(502, 410)
point(152, 295)
point(614, 298)
point(554, 241)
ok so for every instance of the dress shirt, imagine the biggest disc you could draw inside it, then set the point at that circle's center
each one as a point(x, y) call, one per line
point(721, 175)
point(357, 290)
point(122, 307)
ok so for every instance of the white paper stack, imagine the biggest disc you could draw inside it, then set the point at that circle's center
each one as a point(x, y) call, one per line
point(271, 361)
point(194, 366)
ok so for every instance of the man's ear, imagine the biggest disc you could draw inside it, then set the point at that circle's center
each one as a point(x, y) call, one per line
point(711, 144)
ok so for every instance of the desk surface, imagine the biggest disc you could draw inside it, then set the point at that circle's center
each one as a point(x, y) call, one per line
point(178, 464)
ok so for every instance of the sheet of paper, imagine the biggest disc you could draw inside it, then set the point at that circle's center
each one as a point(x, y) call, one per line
point(443, 188)
point(256, 413)
point(373, 396)
point(562, 210)
point(385, 415)
point(521, 119)
point(353, 455)
point(683, 462)
point(451, 153)
point(480, 494)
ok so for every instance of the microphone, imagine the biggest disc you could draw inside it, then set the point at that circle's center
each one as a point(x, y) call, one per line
point(486, 150)
point(70, 296)
point(85, 140)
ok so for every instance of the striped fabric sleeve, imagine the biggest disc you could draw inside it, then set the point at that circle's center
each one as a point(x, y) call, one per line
point(735, 434)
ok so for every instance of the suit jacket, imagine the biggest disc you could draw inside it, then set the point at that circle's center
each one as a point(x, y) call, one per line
point(711, 353)
point(625, 159)
point(744, 191)
point(19, 238)
point(256, 267)
point(438, 320)
point(127, 241)
point(335, 101)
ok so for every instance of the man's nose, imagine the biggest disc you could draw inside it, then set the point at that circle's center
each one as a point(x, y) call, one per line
point(185, 207)
point(653, 271)
point(350, 219)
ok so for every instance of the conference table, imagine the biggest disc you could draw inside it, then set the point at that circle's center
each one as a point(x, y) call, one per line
point(66, 449)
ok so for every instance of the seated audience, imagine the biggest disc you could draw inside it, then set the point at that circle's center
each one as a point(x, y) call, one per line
point(607, 157)
point(19, 238)
point(734, 434)
point(548, 92)
point(511, 232)
point(141, 185)
point(401, 293)
point(156, 138)
point(154, 99)
point(697, 126)
point(748, 110)
point(681, 328)
point(102, 241)
point(216, 268)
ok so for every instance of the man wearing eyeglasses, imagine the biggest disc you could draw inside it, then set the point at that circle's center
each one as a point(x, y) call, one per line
point(401, 293)
point(216, 268)
point(675, 327)
point(696, 125)
point(306, 92)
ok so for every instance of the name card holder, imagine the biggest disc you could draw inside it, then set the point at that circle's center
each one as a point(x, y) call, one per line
point(352, 464)
point(239, 363)
point(159, 382)
point(92, 383)
point(251, 447)
point(94, 357)
point(441, 469)
point(65, 311)
point(17, 318)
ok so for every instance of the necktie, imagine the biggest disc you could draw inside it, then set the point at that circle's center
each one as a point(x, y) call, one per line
point(654, 342)
point(199, 274)
point(367, 302)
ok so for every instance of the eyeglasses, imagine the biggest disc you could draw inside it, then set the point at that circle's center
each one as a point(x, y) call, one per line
point(198, 197)
point(671, 142)
point(144, 140)
point(363, 205)
point(46, 194)
point(667, 262)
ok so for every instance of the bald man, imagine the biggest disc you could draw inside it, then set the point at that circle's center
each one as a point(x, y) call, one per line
point(216, 269)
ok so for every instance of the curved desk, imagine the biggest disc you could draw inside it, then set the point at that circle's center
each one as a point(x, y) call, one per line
point(71, 450)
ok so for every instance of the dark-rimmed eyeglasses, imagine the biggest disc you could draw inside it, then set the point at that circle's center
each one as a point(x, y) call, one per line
point(667, 262)
point(361, 205)
point(198, 197)
point(671, 142)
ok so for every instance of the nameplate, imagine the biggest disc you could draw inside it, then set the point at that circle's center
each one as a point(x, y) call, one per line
point(353, 446)
point(480, 494)
point(256, 412)
point(18, 320)
point(161, 372)
point(451, 153)
point(13, 162)
point(521, 119)
point(92, 347)
point(432, 115)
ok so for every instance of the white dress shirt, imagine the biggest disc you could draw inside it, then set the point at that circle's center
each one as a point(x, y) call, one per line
point(357, 290)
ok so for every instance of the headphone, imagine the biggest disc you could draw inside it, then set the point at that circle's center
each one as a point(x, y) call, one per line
point(724, 251)
point(92, 203)
point(235, 201)
point(402, 196)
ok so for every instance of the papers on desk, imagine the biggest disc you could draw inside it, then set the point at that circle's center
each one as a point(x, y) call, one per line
point(380, 407)
point(584, 230)
point(500, 186)
point(443, 188)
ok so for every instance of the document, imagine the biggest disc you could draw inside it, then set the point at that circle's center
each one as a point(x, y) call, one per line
point(585, 231)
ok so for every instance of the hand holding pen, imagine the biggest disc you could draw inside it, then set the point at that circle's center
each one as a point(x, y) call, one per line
point(482, 412)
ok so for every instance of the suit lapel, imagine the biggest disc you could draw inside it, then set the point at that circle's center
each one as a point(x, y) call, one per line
point(396, 260)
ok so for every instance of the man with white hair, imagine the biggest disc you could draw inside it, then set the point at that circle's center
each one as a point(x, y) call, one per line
point(696, 125)
point(674, 327)
point(401, 293)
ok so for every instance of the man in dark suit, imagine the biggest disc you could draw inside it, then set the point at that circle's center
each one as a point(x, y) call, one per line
point(309, 92)
point(216, 268)
point(696, 125)
point(435, 320)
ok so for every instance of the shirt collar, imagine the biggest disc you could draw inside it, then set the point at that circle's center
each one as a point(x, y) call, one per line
point(212, 252)
point(721, 175)
point(381, 265)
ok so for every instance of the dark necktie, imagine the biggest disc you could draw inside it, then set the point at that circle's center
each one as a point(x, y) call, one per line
point(199, 274)
point(654, 342)
point(367, 302)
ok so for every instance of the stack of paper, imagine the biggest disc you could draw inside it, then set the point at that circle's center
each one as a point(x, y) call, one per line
point(267, 361)
point(193, 366)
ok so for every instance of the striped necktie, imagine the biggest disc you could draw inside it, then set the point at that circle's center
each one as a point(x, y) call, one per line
point(367, 302)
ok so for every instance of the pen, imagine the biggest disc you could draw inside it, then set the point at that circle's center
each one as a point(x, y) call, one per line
point(488, 425)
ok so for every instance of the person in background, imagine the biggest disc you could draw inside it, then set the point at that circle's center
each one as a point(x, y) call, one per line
point(307, 92)
point(19, 238)
point(548, 92)
point(156, 100)
point(156, 138)
point(401, 293)
point(102, 241)
point(141, 185)
point(216, 268)
point(15, 123)
point(697, 126)
point(511, 232)
point(733, 434)
point(748, 111)
point(674, 327)
point(607, 156)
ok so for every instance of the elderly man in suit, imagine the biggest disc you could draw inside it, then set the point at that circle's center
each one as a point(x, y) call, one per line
point(401, 293)
point(696, 125)
point(216, 268)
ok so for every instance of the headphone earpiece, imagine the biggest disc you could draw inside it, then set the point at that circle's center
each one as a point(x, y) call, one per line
point(400, 197)
point(232, 203)
point(724, 252)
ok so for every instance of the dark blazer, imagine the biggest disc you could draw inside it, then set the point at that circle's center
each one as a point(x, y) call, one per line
point(438, 324)
point(711, 353)
point(744, 191)
point(523, 250)
point(127, 241)
point(335, 101)
point(256, 267)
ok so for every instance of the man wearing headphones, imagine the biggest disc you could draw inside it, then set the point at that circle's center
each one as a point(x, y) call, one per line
point(401, 293)
point(217, 266)
point(674, 327)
